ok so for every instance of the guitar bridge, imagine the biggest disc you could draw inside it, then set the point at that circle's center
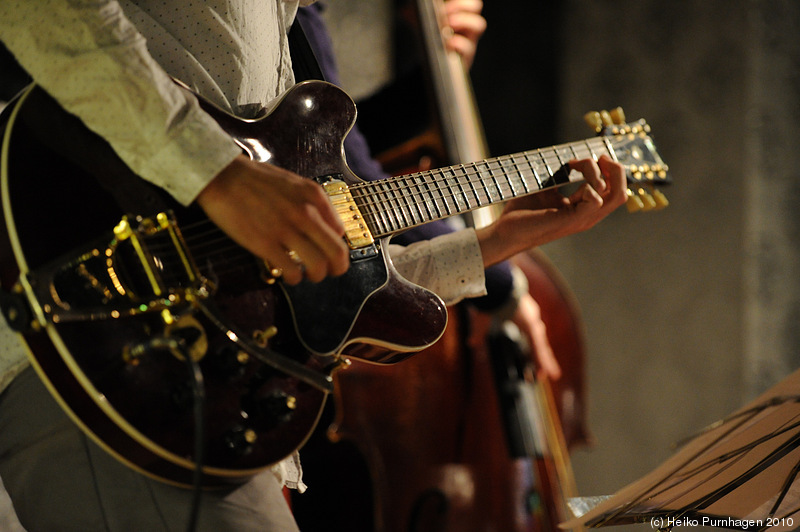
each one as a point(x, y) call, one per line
point(144, 267)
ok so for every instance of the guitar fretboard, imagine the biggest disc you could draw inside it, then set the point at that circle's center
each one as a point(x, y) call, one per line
point(399, 203)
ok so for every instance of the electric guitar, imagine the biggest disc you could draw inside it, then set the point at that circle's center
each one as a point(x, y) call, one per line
point(132, 307)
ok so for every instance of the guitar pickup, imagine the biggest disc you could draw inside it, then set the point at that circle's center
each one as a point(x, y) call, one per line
point(356, 231)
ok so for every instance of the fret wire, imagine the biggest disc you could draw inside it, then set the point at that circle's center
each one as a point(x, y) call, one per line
point(392, 209)
point(441, 186)
point(403, 205)
point(406, 199)
point(427, 214)
point(532, 166)
point(463, 193)
point(572, 150)
point(484, 187)
point(554, 153)
point(517, 175)
point(370, 214)
point(575, 150)
point(507, 176)
point(383, 204)
point(452, 177)
point(408, 202)
point(609, 147)
point(420, 181)
point(432, 194)
point(387, 207)
point(481, 192)
point(558, 158)
point(461, 200)
point(521, 175)
point(398, 202)
point(546, 166)
point(591, 150)
point(585, 145)
point(476, 192)
point(423, 217)
point(375, 200)
point(449, 178)
point(494, 180)
point(489, 187)
point(508, 183)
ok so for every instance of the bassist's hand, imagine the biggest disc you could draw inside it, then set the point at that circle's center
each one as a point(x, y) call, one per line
point(270, 212)
point(540, 218)
point(465, 19)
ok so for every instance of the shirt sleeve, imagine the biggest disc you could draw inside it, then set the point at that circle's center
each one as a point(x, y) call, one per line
point(450, 265)
point(93, 61)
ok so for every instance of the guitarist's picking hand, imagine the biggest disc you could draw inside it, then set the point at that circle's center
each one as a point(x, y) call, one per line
point(272, 212)
point(540, 218)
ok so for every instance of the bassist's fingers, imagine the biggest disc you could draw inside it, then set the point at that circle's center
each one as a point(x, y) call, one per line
point(590, 171)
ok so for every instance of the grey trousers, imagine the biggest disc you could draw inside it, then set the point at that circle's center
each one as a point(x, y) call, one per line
point(60, 480)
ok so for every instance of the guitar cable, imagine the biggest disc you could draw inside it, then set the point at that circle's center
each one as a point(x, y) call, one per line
point(178, 346)
point(199, 401)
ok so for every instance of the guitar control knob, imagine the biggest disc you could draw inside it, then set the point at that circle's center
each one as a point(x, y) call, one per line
point(230, 362)
point(270, 410)
point(240, 440)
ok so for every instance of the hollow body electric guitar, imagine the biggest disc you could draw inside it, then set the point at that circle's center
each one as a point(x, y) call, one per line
point(131, 306)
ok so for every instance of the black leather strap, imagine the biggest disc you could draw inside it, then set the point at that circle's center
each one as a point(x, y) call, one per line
point(304, 62)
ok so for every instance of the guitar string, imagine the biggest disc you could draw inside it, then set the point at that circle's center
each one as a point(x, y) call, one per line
point(436, 181)
point(532, 161)
point(455, 183)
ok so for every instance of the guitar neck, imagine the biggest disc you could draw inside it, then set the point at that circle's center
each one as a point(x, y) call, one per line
point(395, 204)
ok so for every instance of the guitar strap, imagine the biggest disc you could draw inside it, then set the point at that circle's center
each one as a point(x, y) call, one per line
point(304, 61)
point(41, 115)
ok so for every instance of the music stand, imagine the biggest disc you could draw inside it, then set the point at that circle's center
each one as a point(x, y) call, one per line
point(740, 473)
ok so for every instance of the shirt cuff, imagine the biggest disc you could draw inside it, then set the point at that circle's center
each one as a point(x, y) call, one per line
point(450, 265)
point(194, 155)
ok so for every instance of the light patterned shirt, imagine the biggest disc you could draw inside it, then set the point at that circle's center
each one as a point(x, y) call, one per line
point(111, 63)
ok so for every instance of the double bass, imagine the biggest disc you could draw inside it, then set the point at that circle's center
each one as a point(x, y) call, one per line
point(463, 436)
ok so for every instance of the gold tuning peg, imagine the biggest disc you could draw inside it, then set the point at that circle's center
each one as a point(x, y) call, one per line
point(660, 199)
point(633, 203)
point(594, 121)
point(618, 116)
point(647, 200)
point(606, 117)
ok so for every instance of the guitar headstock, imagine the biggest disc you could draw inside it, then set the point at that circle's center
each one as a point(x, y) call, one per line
point(635, 150)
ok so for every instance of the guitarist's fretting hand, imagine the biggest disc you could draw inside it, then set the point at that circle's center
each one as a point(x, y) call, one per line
point(270, 212)
point(540, 218)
